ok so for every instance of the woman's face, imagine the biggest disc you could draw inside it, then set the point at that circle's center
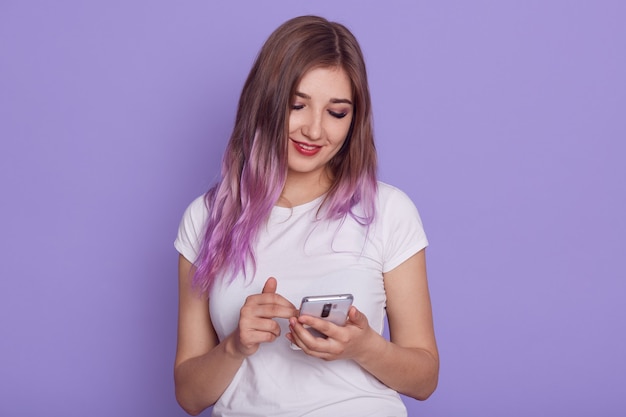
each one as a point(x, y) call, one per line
point(319, 120)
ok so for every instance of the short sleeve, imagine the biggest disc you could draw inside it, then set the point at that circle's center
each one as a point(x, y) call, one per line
point(402, 230)
point(191, 229)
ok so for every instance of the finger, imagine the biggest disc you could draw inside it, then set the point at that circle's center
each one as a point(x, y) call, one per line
point(304, 334)
point(269, 298)
point(357, 318)
point(270, 286)
point(272, 311)
point(267, 310)
point(321, 325)
point(252, 338)
point(295, 330)
point(311, 345)
point(262, 325)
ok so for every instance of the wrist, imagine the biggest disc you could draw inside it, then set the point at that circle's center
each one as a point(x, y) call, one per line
point(230, 349)
point(374, 347)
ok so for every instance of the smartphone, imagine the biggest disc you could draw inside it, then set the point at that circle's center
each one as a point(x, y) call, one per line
point(333, 308)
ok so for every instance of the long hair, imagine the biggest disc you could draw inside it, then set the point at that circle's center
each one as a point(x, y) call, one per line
point(254, 167)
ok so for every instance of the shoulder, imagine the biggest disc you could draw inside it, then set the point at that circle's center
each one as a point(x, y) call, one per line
point(197, 209)
point(398, 225)
point(385, 190)
point(196, 214)
point(191, 229)
point(390, 199)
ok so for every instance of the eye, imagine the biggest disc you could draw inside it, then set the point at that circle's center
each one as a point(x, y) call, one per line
point(337, 115)
point(297, 106)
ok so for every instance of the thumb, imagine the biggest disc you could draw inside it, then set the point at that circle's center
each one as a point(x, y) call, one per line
point(270, 285)
point(357, 318)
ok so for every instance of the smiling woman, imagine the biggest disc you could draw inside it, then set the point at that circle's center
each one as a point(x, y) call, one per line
point(319, 123)
point(299, 204)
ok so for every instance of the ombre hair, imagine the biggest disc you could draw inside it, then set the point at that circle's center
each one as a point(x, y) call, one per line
point(254, 166)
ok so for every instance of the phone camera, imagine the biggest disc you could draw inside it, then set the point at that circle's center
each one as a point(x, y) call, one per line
point(326, 309)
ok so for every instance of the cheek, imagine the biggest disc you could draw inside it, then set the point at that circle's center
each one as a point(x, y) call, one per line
point(341, 132)
point(339, 140)
point(292, 122)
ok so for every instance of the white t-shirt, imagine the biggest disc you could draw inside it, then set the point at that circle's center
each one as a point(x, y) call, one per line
point(311, 257)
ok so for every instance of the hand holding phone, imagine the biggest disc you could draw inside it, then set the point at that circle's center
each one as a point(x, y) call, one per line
point(333, 308)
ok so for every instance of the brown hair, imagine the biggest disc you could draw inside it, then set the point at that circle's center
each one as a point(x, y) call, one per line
point(297, 46)
point(254, 167)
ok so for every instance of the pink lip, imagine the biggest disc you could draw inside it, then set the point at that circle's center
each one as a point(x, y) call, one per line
point(307, 151)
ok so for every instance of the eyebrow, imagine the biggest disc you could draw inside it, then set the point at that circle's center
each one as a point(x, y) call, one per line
point(332, 100)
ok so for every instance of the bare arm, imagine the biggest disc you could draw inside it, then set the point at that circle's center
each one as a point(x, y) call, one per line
point(205, 366)
point(409, 363)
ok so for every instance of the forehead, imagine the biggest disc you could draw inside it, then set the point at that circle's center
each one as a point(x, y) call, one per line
point(331, 82)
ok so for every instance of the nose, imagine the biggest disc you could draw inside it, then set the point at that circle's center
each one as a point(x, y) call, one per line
point(312, 128)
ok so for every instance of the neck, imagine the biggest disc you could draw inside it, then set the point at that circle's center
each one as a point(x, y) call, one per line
point(302, 188)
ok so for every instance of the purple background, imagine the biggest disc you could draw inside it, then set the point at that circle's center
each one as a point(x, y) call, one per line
point(504, 121)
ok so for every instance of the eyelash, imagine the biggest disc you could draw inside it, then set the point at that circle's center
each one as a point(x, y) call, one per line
point(337, 115)
point(332, 113)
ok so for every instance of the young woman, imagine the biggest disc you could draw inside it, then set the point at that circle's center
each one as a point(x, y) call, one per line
point(298, 212)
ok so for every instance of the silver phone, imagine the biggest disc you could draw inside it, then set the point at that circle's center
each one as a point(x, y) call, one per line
point(333, 308)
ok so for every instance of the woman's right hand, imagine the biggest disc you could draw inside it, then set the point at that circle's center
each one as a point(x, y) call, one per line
point(204, 365)
point(256, 319)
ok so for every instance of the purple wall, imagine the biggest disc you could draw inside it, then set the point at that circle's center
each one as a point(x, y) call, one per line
point(504, 121)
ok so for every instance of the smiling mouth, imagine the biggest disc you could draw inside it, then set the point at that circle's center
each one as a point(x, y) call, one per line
point(305, 148)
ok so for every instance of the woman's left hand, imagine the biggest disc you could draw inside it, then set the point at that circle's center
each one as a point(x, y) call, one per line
point(343, 342)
